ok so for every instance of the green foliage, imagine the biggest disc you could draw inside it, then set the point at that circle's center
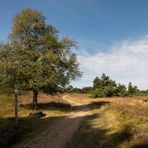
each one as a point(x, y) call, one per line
point(35, 57)
point(143, 92)
point(121, 90)
point(85, 90)
point(132, 90)
point(54, 65)
point(105, 87)
point(97, 93)
point(12, 68)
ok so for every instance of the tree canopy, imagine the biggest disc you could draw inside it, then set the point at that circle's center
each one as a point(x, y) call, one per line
point(35, 57)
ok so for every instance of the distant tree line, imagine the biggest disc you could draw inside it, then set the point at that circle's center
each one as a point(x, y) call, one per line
point(104, 86)
point(85, 90)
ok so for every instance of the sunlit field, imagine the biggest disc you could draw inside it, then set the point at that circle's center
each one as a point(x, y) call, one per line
point(116, 122)
point(107, 122)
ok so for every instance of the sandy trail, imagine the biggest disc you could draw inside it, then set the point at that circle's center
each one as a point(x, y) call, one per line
point(60, 133)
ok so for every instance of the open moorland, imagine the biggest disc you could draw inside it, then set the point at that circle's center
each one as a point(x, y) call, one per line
point(75, 120)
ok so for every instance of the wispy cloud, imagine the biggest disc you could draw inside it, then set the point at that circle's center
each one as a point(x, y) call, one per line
point(124, 62)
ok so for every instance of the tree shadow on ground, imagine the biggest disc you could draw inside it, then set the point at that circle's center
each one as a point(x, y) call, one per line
point(90, 106)
point(62, 106)
point(48, 106)
point(97, 137)
point(28, 127)
point(86, 136)
point(9, 133)
point(141, 145)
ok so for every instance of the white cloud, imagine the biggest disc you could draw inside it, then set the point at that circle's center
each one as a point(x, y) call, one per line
point(124, 62)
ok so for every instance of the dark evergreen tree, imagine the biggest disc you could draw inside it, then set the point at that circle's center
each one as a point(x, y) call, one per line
point(132, 90)
point(104, 87)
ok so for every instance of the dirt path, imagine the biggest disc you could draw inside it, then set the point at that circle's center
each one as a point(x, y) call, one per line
point(60, 133)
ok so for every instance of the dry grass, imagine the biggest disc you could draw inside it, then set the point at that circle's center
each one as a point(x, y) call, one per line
point(53, 107)
point(7, 105)
point(50, 105)
point(115, 122)
point(131, 119)
point(121, 123)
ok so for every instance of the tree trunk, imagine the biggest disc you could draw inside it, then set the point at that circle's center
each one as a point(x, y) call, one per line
point(16, 103)
point(35, 98)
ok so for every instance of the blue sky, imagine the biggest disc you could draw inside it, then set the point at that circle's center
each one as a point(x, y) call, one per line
point(100, 27)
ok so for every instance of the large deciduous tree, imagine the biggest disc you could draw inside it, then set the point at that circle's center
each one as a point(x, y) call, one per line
point(35, 58)
point(53, 64)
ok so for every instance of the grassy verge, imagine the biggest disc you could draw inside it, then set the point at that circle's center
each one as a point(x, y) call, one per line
point(128, 125)
point(113, 125)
